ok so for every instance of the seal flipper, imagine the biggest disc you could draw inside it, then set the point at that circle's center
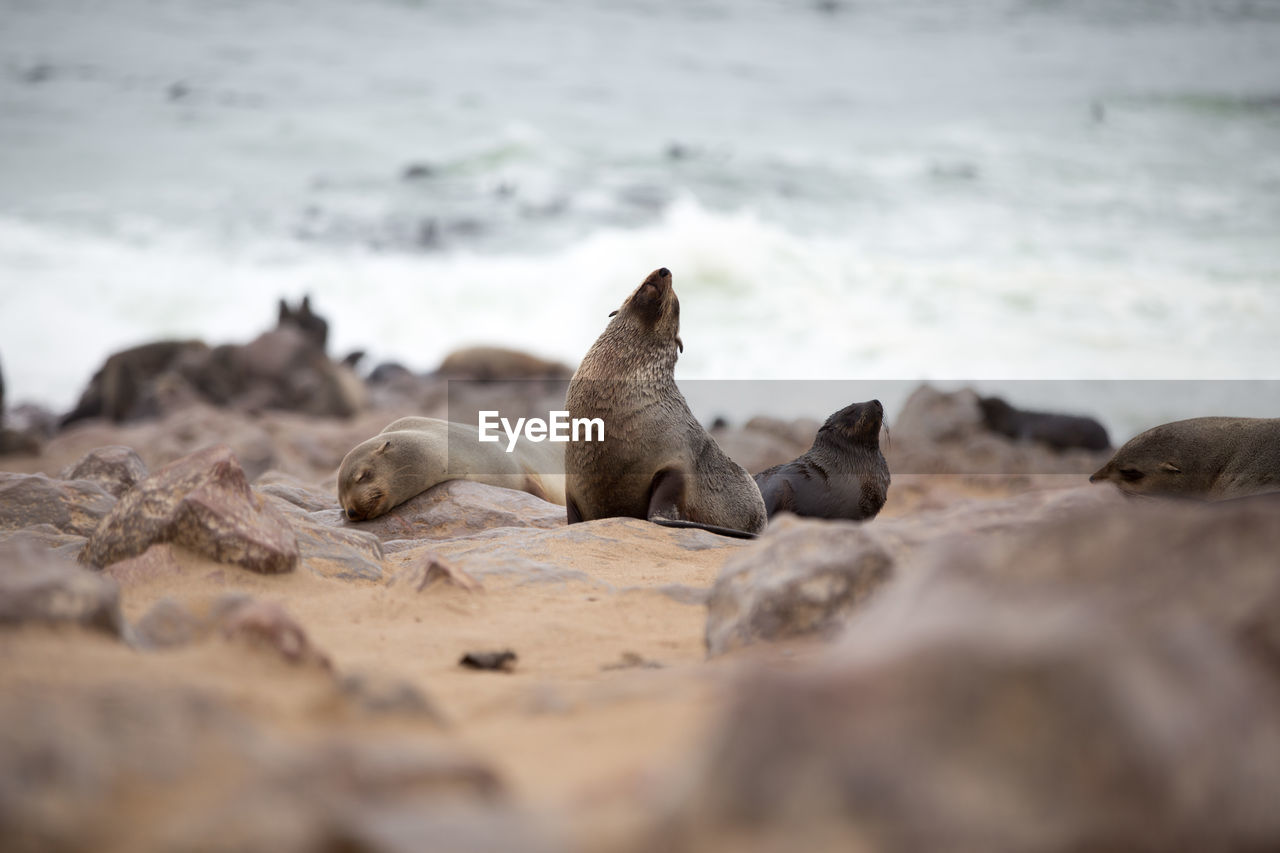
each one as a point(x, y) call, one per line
point(666, 504)
point(666, 494)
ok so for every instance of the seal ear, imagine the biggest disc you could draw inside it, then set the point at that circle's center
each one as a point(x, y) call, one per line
point(386, 445)
point(614, 313)
point(1170, 468)
point(680, 343)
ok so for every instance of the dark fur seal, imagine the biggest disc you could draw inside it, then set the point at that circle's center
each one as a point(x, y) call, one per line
point(1211, 459)
point(656, 461)
point(1061, 432)
point(843, 475)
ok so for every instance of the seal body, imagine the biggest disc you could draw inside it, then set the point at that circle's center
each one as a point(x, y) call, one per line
point(413, 454)
point(1210, 459)
point(1061, 432)
point(843, 475)
point(656, 461)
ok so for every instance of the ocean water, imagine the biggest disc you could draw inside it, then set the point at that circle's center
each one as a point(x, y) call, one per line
point(863, 190)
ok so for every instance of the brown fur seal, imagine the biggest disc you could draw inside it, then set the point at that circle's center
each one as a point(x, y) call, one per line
point(843, 475)
point(656, 461)
point(1061, 432)
point(1210, 459)
point(413, 454)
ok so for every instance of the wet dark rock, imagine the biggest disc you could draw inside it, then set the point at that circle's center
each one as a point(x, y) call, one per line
point(417, 171)
point(801, 578)
point(41, 588)
point(501, 661)
point(74, 507)
point(116, 468)
point(202, 502)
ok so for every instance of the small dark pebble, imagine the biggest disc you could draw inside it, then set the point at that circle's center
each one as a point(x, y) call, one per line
point(503, 661)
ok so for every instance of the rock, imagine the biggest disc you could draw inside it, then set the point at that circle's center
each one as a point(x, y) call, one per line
point(808, 576)
point(116, 468)
point(87, 766)
point(40, 588)
point(1060, 732)
point(757, 450)
point(330, 550)
point(431, 568)
point(170, 624)
point(266, 625)
point(802, 577)
point(530, 555)
point(202, 502)
point(48, 538)
point(74, 507)
point(501, 661)
point(382, 696)
point(292, 491)
point(457, 508)
point(123, 389)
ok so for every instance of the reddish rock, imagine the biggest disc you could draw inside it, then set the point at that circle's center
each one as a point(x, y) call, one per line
point(115, 467)
point(201, 502)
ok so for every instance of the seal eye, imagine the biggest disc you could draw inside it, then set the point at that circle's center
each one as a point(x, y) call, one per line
point(1132, 475)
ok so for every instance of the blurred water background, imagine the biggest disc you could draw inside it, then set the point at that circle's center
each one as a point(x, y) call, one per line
point(844, 189)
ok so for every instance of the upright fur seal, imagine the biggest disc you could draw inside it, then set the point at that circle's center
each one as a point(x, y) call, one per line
point(1210, 459)
point(843, 475)
point(413, 454)
point(656, 461)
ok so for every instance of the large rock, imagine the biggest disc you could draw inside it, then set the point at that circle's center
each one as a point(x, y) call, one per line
point(74, 507)
point(123, 768)
point(115, 467)
point(809, 577)
point(1059, 731)
point(201, 502)
point(456, 508)
point(41, 588)
point(804, 577)
point(1097, 675)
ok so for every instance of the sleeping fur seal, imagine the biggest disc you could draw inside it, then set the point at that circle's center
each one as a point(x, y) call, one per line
point(413, 454)
point(656, 461)
point(843, 475)
point(1211, 459)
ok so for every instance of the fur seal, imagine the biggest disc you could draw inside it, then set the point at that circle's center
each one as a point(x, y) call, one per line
point(843, 475)
point(656, 461)
point(1211, 459)
point(1061, 432)
point(413, 454)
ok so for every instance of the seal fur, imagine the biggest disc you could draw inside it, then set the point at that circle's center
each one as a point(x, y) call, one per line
point(656, 461)
point(413, 454)
point(843, 475)
point(1210, 459)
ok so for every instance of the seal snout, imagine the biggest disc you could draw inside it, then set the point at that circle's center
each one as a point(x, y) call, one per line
point(663, 272)
point(352, 515)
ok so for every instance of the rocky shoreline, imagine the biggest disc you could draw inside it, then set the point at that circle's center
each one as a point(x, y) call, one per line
point(201, 652)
